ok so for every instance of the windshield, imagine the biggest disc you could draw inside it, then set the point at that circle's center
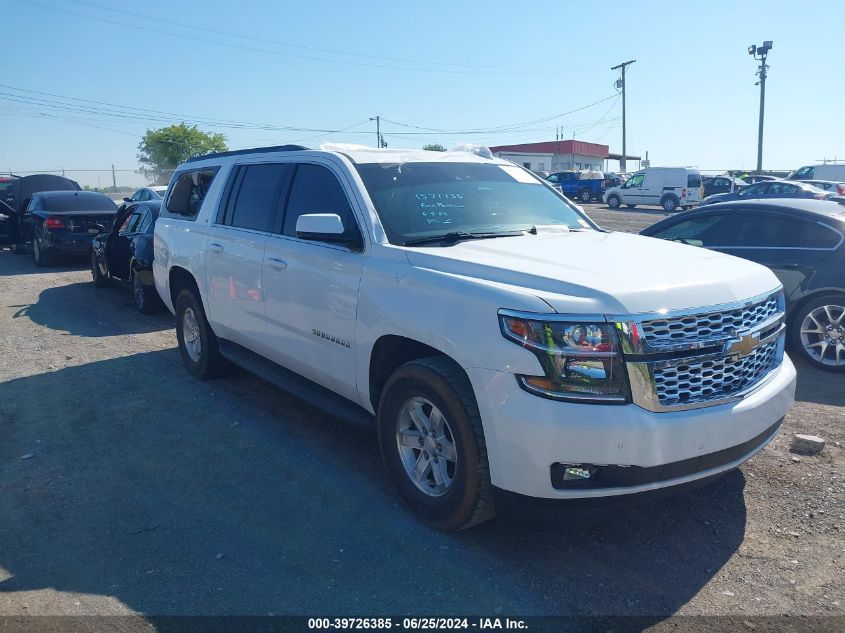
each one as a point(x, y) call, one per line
point(72, 202)
point(418, 200)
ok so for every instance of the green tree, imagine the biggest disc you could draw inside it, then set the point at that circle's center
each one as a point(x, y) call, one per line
point(434, 147)
point(161, 151)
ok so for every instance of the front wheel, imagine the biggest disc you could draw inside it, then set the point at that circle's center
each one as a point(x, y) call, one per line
point(432, 444)
point(197, 342)
point(614, 201)
point(100, 280)
point(585, 195)
point(818, 332)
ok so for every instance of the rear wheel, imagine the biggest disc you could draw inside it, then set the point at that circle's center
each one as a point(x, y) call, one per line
point(100, 280)
point(585, 195)
point(614, 201)
point(197, 343)
point(146, 298)
point(43, 255)
point(669, 204)
point(818, 332)
point(432, 444)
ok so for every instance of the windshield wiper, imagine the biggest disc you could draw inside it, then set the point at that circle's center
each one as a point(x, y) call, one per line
point(460, 236)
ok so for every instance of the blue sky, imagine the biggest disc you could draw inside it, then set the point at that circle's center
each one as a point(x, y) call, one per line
point(691, 93)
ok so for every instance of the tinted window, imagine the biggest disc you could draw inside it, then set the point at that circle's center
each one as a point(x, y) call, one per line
point(805, 173)
point(132, 222)
point(82, 202)
point(755, 190)
point(775, 231)
point(693, 180)
point(782, 188)
point(708, 230)
point(188, 192)
point(316, 190)
point(254, 204)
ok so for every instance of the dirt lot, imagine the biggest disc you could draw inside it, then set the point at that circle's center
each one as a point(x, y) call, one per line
point(128, 487)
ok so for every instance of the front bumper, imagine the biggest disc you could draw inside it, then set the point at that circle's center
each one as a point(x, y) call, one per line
point(526, 435)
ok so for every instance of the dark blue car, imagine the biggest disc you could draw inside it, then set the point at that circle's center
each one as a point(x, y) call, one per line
point(771, 189)
point(64, 223)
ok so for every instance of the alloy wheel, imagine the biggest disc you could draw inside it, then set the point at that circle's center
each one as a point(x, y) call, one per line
point(823, 335)
point(426, 446)
point(191, 335)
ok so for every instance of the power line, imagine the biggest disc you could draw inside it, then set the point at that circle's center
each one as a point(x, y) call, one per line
point(253, 49)
point(159, 20)
point(502, 128)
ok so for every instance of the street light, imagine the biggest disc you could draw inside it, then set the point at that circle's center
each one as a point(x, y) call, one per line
point(759, 53)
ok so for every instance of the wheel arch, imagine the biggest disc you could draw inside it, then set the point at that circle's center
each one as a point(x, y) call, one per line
point(180, 279)
point(389, 352)
point(811, 296)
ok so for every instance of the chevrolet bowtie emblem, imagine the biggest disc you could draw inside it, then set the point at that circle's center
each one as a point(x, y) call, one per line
point(743, 346)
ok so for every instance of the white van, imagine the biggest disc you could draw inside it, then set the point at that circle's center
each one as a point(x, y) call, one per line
point(830, 171)
point(667, 187)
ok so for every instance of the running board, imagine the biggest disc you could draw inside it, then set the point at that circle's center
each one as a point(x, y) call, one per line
point(299, 386)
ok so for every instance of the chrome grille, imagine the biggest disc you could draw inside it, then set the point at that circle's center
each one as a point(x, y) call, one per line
point(712, 326)
point(705, 380)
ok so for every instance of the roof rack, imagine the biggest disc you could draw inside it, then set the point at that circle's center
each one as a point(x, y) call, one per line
point(253, 150)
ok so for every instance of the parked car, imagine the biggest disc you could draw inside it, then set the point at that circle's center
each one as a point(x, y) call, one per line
point(721, 184)
point(144, 194)
point(16, 195)
point(801, 241)
point(837, 188)
point(125, 251)
point(829, 171)
point(431, 299)
point(672, 188)
point(577, 185)
point(772, 189)
point(63, 223)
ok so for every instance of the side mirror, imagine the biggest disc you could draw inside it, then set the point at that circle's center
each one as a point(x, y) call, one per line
point(324, 227)
point(126, 200)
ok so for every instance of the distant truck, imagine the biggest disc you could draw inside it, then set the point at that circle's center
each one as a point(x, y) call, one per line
point(579, 185)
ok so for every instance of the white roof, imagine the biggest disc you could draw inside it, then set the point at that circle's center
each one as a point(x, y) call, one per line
point(364, 154)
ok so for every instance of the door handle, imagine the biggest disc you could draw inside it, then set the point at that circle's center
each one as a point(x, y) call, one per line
point(215, 248)
point(277, 264)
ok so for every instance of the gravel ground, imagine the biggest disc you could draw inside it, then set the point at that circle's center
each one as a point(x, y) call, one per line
point(128, 487)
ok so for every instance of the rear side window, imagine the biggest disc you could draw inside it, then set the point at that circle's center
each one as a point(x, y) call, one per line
point(255, 197)
point(72, 202)
point(188, 192)
point(772, 231)
point(315, 189)
point(694, 181)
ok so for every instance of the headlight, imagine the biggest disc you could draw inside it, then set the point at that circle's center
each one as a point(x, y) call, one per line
point(581, 360)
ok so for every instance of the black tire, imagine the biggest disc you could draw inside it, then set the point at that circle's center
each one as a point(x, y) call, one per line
point(468, 500)
point(834, 300)
point(613, 201)
point(100, 280)
point(18, 249)
point(585, 195)
point(670, 204)
point(44, 256)
point(210, 363)
point(146, 298)
point(631, 206)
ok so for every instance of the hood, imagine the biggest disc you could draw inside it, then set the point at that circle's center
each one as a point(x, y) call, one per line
point(603, 273)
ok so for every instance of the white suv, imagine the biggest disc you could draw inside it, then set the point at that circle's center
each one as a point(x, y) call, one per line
point(503, 344)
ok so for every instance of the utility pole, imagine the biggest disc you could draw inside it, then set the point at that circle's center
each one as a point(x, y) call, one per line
point(760, 53)
point(379, 138)
point(621, 84)
point(113, 179)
